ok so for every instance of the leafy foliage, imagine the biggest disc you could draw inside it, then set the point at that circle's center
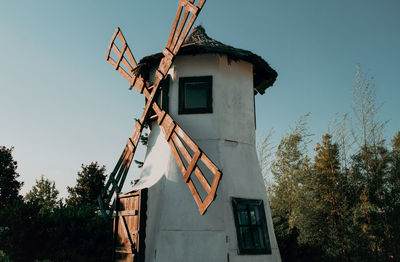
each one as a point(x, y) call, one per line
point(44, 194)
point(47, 230)
point(344, 205)
point(64, 234)
point(9, 186)
point(88, 186)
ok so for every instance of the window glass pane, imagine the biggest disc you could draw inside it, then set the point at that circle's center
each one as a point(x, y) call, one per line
point(253, 217)
point(258, 237)
point(246, 237)
point(254, 214)
point(242, 213)
point(195, 95)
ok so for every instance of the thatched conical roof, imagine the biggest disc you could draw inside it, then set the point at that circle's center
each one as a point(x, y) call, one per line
point(198, 42)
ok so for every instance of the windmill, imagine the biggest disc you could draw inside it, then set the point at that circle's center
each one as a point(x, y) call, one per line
point(155, 221)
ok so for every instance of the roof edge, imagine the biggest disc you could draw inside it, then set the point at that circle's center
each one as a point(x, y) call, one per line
point(198, 42)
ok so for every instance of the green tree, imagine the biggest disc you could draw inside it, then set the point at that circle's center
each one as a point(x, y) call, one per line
point(44, 194)
point(367, 129)
point(88, 186)
point(287, 171)
point(392, 198)
point(9, 186)
point(369, 179)
point(65, 234)
point(327, 227)
point(369, 171)
point(290, 169)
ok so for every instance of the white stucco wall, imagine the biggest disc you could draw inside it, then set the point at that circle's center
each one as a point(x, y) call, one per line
point(233, 108)
point(175, 229)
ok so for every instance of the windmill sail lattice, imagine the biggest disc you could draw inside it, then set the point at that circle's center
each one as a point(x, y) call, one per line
point(186, 153)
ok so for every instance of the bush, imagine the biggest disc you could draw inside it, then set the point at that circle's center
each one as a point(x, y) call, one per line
point(64, 234)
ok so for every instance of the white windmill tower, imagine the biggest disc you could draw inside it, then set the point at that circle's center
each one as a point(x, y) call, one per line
point(207, 89)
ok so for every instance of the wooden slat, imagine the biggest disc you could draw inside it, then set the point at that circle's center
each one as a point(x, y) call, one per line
point(111, 43)
point(165, 63)
point(109, 183)
point(125, 250)
point(125, 173)
point(135, 137)
point(147, 107)
point(131, 194)
point(127, 213)
point(192, 165)
point(123, 59)
point(188, 158)
point(115, 226)
point(121, 56)
point(126, 230)
point(179, 30)
point(213, 168)
point(139, 84)
point(117, 179)
point(200, 4)
point(181, 147)
point(177, 157)
point(161, 116)
point(121, 37)
point(168, 126)
point(189, 6)
point(174, 24)
point(195, 194)
point(184, 34)
point(206, 203)
point(163, 68)
point(202, 180)
point(112, 62)
point(125, 74)
point(131, 58)
point(130, 144)
point(116, 168)
point(192, 145)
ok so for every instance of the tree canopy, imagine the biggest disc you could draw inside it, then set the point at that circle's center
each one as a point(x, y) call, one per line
point(9, 185)
point(345, 204)
point(44, 194)
point(88, 186)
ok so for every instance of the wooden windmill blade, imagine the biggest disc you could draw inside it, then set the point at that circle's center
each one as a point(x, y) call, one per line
point(186, 15)
point(117, 177)
point(180, 144)
point(184, 19)
point(189, 164)
point(125, 62)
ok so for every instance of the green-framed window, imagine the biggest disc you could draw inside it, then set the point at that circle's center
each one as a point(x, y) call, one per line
point(251, 226)
point(195, 95)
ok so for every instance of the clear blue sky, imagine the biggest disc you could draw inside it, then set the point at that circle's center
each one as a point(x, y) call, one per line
point(63, 105)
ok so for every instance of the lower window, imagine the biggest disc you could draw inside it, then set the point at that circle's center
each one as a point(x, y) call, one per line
point(251, 226)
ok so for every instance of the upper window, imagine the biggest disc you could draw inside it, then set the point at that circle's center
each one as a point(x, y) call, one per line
point(251, 226)
point(195, 95)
